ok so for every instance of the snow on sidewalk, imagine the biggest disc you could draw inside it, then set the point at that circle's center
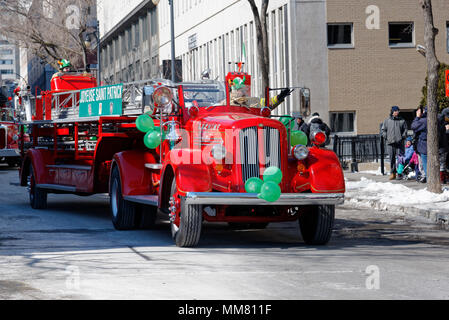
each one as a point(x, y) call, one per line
point(387, 195)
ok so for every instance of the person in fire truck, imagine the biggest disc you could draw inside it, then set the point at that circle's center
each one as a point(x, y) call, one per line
point(64, 67)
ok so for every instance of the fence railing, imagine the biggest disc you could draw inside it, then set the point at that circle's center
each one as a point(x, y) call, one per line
point(352, 150)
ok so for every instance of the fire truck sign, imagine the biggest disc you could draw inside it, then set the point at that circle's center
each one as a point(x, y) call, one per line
point(101, 101)
point(447, 83)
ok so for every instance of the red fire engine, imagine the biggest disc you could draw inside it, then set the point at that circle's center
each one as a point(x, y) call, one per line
point(9, 135)
point(183, 150)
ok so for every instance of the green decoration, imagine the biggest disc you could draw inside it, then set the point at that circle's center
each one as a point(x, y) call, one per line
point(286, 120)
point(145, 123)
point(152, 139)
point(239, 83)
point(270, 192)
point(273, 174)
point(253, 185)
point(298, 137)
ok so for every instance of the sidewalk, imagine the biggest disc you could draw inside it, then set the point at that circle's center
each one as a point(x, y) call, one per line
point(406, 197)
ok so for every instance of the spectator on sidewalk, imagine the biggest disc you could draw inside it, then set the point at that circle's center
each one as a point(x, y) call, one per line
point(394, 131)
point(409, 159)
point(443, 144)
point(301, 125)
point(419, 127)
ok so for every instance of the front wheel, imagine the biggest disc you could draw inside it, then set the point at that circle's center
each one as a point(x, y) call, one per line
point(316, 224)
point(186, 230)
point(122, 212)
point(38, 196)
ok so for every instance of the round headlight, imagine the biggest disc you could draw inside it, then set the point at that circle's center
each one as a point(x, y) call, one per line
point(300, 152)
point(162, 99)
point(219, 152)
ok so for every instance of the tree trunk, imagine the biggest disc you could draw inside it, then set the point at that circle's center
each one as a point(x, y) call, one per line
point(433, 167)
point(260, 22)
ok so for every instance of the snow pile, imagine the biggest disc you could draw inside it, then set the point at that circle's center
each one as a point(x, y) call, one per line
point(384, 194)
point(373, 172)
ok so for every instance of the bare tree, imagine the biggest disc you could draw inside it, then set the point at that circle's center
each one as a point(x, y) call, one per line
point(49, 29)
point(433, 178)
point(260, 21)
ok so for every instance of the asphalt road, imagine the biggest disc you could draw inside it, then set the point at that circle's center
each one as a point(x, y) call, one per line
point(71, 251)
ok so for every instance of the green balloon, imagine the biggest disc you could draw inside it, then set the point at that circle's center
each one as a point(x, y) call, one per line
point(273, 174)
point(152, 139)
point(253, 185)
point(298, 137)
point(270, 192)
point(286, 120)
point(144, 123)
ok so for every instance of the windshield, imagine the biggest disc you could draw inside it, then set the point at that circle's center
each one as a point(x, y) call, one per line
point(205, 94)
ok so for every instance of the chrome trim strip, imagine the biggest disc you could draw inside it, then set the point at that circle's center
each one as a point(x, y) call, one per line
point(147, 200)
point(56, 187)
point(286, 199)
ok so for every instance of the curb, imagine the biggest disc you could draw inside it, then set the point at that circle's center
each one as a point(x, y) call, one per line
point(433, 215)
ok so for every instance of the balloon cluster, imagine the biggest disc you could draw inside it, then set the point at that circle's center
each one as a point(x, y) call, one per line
point(296, 137)
point(268, 189)
point(153, 138)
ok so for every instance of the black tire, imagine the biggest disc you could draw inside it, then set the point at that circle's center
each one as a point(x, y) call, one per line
point(123, 213)
point(238, 225)
point(189, 231)
point(145, 217)
point(316, 224)
point(38, 197)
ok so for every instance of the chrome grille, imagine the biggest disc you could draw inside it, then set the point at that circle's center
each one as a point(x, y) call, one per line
point(250, 151)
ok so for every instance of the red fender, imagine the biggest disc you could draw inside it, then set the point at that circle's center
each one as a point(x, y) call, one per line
point(39, 158)
point(135, 178)
point(191, 174)
point(325, 172)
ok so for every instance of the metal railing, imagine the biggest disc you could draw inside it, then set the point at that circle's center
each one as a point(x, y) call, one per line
point(359, 149)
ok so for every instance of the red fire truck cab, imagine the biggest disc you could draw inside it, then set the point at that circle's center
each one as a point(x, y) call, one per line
point(210, 144)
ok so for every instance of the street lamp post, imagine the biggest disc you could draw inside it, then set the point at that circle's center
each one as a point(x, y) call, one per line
point(172, 25)
point(96, 34)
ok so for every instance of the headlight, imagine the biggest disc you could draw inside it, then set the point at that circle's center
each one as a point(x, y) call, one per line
point(300, 152)
point(318, 138)
point(219, 152)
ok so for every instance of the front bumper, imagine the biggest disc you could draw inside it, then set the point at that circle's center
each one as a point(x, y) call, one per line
point(8, 153)
point(251, 199)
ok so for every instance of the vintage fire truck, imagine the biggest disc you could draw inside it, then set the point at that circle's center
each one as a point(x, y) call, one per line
point(9, 136)
point(184, 150)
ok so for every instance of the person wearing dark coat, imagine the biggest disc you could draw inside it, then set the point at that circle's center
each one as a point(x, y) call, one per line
point(443, 130)
point(394, 131)
point(419, 127)
point(301, 125)
point(314, 124)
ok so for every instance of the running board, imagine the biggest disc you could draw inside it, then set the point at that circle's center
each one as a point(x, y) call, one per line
point(56, 187)
point(147, 200)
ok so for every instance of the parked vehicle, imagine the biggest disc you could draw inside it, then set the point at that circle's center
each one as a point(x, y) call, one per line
point(9, 137)
point(183, 150)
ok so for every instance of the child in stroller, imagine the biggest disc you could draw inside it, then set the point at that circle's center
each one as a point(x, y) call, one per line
point(408, 162)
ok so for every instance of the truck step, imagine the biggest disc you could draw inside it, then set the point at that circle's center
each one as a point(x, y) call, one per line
point(72, 167)
point(147, 200)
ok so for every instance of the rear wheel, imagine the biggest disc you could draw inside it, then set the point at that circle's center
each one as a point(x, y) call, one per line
point(316, 224)
point(122, 212)
point(38, 196)
point(145, 217)
point(186, 230)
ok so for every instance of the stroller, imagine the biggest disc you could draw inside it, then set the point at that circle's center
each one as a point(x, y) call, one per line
point(405, 168)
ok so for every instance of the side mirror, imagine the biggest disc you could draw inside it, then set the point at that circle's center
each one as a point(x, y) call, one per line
point(305, 104)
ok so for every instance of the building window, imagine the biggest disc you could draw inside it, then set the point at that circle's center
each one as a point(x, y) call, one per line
point(401, 34)
point(340, 35)
point(342, 122)
point(6, 61)
point(7, 72)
